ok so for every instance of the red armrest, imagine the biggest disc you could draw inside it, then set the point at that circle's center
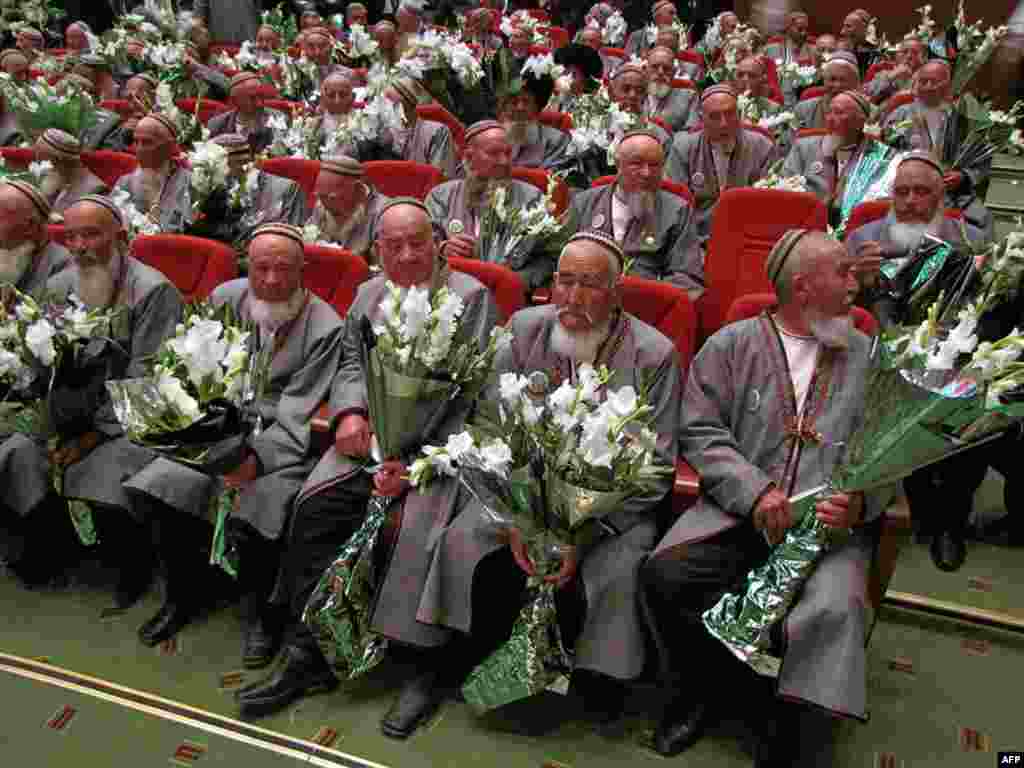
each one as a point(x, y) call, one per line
point(321, 421)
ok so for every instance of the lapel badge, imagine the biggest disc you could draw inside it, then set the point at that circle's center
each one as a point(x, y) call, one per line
point(698, 179)
point(598, 221)
point(456, 227)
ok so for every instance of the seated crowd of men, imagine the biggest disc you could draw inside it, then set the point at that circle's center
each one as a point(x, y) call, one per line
point(450, 587)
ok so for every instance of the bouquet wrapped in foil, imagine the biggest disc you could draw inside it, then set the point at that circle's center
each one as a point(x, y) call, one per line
point(415, 366)
point(547, 465)
point(934, 392)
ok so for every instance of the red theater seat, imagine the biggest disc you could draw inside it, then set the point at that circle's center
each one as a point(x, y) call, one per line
point(123, 107)
point(813, 92)
point(675, 187)
point(208, 108)
point(560, 120)
point(504, 284)
point(539, 177)
point(18, 158)
point(195, 265)
point(439, 114)
point(754, 304)
point(403, 178)
point(334, 275)
point(300, 170)
point(108, 165)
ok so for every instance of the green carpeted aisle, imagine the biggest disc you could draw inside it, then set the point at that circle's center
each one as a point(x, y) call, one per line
point(929, 680)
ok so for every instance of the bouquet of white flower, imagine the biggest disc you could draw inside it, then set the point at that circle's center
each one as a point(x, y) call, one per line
point(209, 163)
point(298, 138)
point(793, 76)
point(523, 20)
point(360, 44)
point(136, 222)
point(299, 78)
point(190, 129)
point(787, 183)
point(598, 123)
point(975, 47)
point(613, 33)
point(246, 60)
point(433, 50)
point(504, 229)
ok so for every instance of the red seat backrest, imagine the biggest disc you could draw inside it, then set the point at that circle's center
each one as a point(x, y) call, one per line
point(691, 57)
point(300, 170)
point(269, 91)
point(123, 107)
point(539, 50)
point(401, 178)
point(805, 132)
point(682, 82)
point(439, 114)
point(668, 309)
point(334, 275)
point(539, 178)
point(208, 108)
point(18, 158)
point(618, 53)
point(109, 165)
point(896, 100)
point(553, 119)
point(195, 265)
point(754, 304)
point(505, 285)
point(539, 14)
point(812, 92)
point(675, 187)
point(746, 224)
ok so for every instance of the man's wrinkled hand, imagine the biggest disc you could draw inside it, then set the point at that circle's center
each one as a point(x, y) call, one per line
point(462, 246)
point(869, 263)
point(773, 515)
point(567, 571)
point(518, 547)
point(75, 450)
point(352, 437)
point(391, 479)
point(841, 510)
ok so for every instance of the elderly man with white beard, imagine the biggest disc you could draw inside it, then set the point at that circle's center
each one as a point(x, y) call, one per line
point(249, 117)
point(104, 275)
point(458, 208)
point(159, 187)
point(475, 582)
point(114, 131)
point(69, 179)
point(304, 334)
point(629, 90)
point(721, 155)
point(336, 102)
point(655, 228)
point(748, 385)
point(334, 499)
point(664, 15)
point(839, 74)
point(33, 519)
point(679, 108)
point(917, 210)
point(534, 145)
point(347, 206)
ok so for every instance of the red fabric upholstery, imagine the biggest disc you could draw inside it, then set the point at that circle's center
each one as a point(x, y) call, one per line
point(269, 91)
point(439, 114)
point(399, 178)
point(668, 309)
point(300, 170)
point(804, 132)
point(539, 50)
point(682, 82)
point(874, 69)
point(207, 108)
point(746, 224)
point(560, 120)
point(618, 53)
point(108, 165)
point(813, 92)
point(896, 100)
point(754, 304)
point(18, 158)
point(56, 233)
point(539, 177)
point(334, 275)
point(691, 57)
point(675, 187)
point(662, 123)
point(873, 210)
point(195, 265)
point(123, 107)
point(504, 284)
point(558, 36)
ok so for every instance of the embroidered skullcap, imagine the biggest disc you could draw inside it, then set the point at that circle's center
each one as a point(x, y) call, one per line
point(396, 201)
point(355, 5)
point(480, 126)
point(32, 32)
point(601, 239)
point(386, 23)
point(243, 77)
point(319, 32)
point(780, 252)
point(37, 198)
point(12, 53)
point(628, 67)
point(164, 121)
point(103, 202)
point(920, 156)
point(93, 61)
point(660, 4)
point(147, 78)
point(860, 100)
point(289, 231)
point(64, 144)
point(715, 90)
point(234, 143)
point(635, 132)
point(343, 165)
point(843, 57)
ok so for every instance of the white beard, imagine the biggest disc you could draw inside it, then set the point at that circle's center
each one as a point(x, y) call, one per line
point(659, 90)
point(52, 185)
point(581, 346)
point(96, 283)
point(271, 316)
point(16, 261)
point(907, 235)
point(516, 133)
point(832, 332)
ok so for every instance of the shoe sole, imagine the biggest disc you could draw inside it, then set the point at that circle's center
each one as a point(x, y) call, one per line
point(396, 733)
point(268, 706)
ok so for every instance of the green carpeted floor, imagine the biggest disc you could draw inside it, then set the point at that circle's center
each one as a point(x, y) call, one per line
point(929, 680)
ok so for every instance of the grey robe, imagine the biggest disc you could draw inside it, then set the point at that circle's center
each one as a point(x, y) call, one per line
point(690, 162)
point(611, 640)
point(278, 201)
point(259, 138)
point(24, 465)
point(810, 113)
point(807, 159)
point(300, 379)
point(84, 183)
point(107, 125)
point(154, 307)
point(425, 513)
point(739, 400)
point(447, 203)
point(946, 146)
point(679, 110)
point(174, 201)
point(545, 147)
point(429, 143)
point(666, 249)
point(359, 239)
point(229, 21)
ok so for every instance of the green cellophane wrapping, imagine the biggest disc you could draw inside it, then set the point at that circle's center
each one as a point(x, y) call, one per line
point(534, 657)
point(339, 610)
point(221, 555)
point(32, 420)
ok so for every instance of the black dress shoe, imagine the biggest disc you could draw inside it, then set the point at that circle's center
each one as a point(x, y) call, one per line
point(259, 645)
point(301, 672)
point(949, 550)
point(167, 622)
point(680, 729)
point(417, 702)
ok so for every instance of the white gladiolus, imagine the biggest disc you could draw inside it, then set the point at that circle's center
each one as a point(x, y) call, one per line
point(39, 340)
point(175, 394)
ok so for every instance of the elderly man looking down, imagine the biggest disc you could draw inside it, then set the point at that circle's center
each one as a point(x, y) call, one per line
point(347, 206)
point(68, 180)
point(159, 187)
point(421, 141)
point(752, 378)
